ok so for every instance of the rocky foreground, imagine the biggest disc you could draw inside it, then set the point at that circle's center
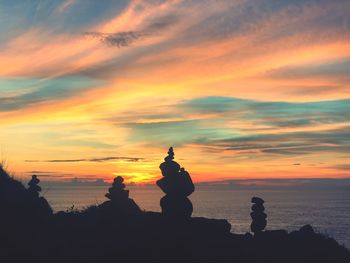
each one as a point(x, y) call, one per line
point(119, 231)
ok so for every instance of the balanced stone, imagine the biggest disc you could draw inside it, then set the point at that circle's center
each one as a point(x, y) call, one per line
point(257, 200)
point(176, 206)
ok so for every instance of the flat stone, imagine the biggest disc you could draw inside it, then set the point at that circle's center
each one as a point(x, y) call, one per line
point(257, 200)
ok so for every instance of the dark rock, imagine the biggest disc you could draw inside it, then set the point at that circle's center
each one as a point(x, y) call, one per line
point(176, 206)
point(216, 226)
point(259, 217)
point(34, 188)
point(248, 235)
point(18, 203)
point(44, 206)
point(177, 184)
point(124, 208)
point(257, 200)
point(258, 208)
point(117, 192)
point(281, 233)
point(169, 167)
point(186, 181)
point(307, 229)
point(258, 226)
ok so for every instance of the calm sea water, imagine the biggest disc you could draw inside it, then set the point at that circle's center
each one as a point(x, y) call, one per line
point(327, 210)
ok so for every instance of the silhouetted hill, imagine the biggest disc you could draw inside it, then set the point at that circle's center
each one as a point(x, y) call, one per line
point(118, 231)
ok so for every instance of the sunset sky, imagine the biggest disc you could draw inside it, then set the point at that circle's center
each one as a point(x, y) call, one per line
point(241, 88)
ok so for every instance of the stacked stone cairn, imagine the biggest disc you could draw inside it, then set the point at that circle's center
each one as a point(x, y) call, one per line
point(117, 192)
point(34, 189)
point(258, 216)
point(177, 184)
point(119, 198)
point(39, 205)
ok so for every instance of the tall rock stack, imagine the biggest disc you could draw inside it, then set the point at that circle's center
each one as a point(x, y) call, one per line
point(258, 216)
point(177, 184)
point(34, 189)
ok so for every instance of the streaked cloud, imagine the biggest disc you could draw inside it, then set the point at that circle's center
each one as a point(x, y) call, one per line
point(21, 93)
point(121, 39)
point(102, 159)
point(345, 167)
point(248, 126)
point(276, 114)
point(127, 38)
point(65, 5)
point(331, 69)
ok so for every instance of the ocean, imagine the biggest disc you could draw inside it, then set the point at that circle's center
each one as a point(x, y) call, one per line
point(327, 210)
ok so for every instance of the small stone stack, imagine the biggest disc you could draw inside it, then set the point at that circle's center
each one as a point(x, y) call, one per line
point(117, 192)
point(177, 184)
point(34, 189)
point(38, 205)
point(258, 216)
point(119, 202)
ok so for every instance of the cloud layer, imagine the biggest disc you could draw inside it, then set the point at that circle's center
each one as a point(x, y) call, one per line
point(242, 88)
point(101, 159)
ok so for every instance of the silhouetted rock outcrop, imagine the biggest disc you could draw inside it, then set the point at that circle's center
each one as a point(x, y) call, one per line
point(259, 217)
point(11, 190)
point(307, 230)
point(118, 231)
point(177, 185)
point(18, 203)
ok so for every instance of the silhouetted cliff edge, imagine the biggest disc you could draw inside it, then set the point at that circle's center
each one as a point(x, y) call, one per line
point(118, 231)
